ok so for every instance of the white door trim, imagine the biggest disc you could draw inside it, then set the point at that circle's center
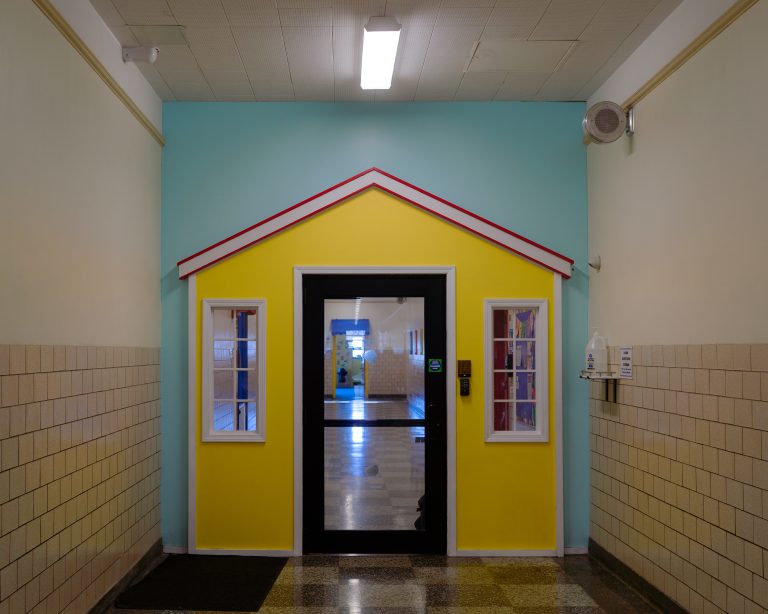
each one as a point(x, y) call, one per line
point(298, 401)
point(557, 314)
point(192, 414)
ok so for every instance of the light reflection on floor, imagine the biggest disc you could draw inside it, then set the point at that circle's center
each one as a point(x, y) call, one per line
point(374, 476)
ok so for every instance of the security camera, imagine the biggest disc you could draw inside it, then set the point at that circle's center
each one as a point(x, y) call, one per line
point(140, 54)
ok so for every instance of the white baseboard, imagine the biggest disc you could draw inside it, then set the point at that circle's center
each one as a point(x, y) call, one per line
point(167, 549)
point(507, 553)
point(577, 550)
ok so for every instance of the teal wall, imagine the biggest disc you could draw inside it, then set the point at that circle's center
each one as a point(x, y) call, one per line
point(228, 165)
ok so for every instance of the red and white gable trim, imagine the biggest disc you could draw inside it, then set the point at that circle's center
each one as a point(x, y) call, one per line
point(397, 187)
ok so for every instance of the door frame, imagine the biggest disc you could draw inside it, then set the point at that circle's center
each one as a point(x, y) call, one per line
point(298, 377)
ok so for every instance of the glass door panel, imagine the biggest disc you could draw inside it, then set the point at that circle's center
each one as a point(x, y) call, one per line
point(374, 478)
point(374, 421)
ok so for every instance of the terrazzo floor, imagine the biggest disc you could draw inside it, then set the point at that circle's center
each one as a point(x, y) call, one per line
point(437, 584)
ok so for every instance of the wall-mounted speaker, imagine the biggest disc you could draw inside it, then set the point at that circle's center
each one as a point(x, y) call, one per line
point(604, 122)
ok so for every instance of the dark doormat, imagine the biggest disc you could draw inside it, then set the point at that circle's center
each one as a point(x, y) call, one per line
point(200, 582)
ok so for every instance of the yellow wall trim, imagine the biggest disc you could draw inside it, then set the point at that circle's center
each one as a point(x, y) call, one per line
point(725, 20)
point(66, 30)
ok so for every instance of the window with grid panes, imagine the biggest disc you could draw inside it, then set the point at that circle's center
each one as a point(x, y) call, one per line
point(233, 370)
point(516, 369)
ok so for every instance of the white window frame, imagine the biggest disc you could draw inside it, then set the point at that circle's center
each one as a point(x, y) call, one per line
point(541, 434)
point(207, 430)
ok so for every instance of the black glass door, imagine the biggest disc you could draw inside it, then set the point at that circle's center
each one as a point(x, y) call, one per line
point(374, 427)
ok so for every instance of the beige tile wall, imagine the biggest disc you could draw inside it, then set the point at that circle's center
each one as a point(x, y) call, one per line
point(679, 473)
point(79, 472)
point(387, 374)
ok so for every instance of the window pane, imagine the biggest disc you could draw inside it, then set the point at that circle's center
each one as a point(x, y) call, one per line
point(525, 386)
point(525, 417)
point(246, 416)
point(246, 354)
point(223, 324)
point(503, 357)
point(223, 384)
point(502, 323)
point(247, 384)
point(246, 327)
point(223, 416)
point(525, 323)
point(223, 354)
point(503, 386)
point(502, 416)
point(525, 357)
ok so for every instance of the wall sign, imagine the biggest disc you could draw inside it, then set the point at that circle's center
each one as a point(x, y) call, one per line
point(435, 365)
point(625, 363)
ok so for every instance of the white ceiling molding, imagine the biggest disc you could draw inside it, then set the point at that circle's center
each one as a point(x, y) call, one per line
point(89, 26)
point(675, 33)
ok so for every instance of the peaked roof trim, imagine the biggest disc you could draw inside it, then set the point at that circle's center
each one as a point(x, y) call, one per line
point(403, 190)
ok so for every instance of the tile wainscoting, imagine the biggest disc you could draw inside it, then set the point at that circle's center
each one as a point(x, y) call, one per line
point(79, 472)
point(679, 473)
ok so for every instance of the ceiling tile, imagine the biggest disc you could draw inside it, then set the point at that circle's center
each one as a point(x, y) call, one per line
point(227, 85)
point(251, 12)
point(411, 52)
point(627, 46)
point(145, 12)
point(203, 13)
point(214, 48)
point(156, 80)
point(349, 90)
point(303, 4)
point(108, 12)
point(563, 85)
point(356, 13)
point(515, 19)
point(521, 85)
point(306, 18)
point(178, 68)
point(616, 19)
point(463, 16)
point(472, 3)
point(420, 13)
point(347, 53)
point(479, 86)
point(192, 91)
point(447, 54)
point(402, 90)
point(175, 58)
point(159, 35)
point(535, 56)
point(310, 58)
point(263, 54)
point(414, 42)
point(125, 36)
point(566, 19)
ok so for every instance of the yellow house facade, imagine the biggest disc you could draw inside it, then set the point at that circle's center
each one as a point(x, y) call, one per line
point(503, 494)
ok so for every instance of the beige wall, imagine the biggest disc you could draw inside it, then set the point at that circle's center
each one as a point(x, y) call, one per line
point(79, 472)
point(679, 473)
point(79, 325)
point(679, 212)
point(79, 196)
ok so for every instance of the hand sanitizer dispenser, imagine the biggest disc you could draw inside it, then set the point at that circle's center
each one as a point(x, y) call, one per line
point(596, 354)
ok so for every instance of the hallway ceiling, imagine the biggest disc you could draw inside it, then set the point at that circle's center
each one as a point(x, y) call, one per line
point(271, 50)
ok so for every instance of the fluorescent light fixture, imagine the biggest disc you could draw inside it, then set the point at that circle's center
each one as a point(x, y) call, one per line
point(380, 39)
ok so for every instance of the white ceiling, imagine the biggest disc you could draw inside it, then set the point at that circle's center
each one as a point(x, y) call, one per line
point(244, 50)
